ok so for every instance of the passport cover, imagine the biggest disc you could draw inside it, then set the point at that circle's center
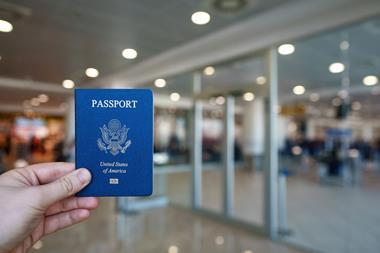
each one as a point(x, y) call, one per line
point(114, 140)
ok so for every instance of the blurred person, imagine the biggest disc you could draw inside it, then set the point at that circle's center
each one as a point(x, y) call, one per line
point(38, 200)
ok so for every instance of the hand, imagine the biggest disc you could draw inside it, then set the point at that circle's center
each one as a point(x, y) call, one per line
point(37, 200)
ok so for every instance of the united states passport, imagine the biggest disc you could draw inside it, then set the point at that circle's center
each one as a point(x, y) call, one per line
point(114, 140)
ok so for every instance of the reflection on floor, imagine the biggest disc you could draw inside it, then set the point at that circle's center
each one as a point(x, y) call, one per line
point(159, 230)
point(323, 217)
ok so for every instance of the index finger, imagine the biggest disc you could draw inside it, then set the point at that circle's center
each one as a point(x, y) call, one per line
point(49, 172)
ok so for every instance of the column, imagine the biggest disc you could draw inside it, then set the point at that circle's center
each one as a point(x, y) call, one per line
point(253, 133)
point(228, 156)
point(196, 147)
point(271, 148)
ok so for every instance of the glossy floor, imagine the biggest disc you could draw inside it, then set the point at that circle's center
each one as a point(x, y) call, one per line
point(323, 217)
point(158, 230)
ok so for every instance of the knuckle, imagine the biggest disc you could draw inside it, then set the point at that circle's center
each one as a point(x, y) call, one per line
point(67, 185)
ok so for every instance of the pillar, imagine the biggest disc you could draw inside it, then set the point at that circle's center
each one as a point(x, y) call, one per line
point(253, 132)
point(228, 156)
point(271, 148)
point(196, 147)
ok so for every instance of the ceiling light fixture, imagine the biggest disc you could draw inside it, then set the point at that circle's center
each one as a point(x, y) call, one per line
point(43, 98)
point(314, 97)
point(34, 102)
point(260, 80)
point(248, 96)
point(200, 17)
point(220, 100)
point(286, 49)
point(219, 240)
point(5, 26)
point(299, 89)
point(173, 249)
point(175, 97)
point(129, 53)
point(344, 45)
point(160, 83)
point(370, 80)
point(209, 71)
point(92, 72)
point(343, 94)
point(68, 84)
point(336, 67)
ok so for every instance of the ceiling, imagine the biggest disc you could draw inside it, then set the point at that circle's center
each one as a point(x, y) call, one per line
point(308, 65)
point(58, 40)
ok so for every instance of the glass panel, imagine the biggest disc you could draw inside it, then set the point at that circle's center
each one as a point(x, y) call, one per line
point(244, 80)
point(212, 141)
point(172, 133)
point(330, 105)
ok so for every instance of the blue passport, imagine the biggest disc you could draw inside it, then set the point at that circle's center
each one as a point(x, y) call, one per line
point(114, 140)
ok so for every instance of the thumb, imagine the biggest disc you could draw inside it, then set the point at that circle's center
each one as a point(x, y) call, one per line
point(64, 187)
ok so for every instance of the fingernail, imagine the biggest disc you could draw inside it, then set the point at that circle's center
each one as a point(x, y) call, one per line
point(84, 176)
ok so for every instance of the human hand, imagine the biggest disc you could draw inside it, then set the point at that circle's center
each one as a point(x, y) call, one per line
point(37, 200)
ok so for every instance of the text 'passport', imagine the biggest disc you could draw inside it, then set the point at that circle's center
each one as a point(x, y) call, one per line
point(114, 140)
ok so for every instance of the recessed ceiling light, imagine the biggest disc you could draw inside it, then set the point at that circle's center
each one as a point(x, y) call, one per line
point(336, 67)
point(129, 53)
point(5, 26)
point(43, 98)
point(344, 45)
point(286, 49)
point(173, 249)
point(248, 96)
point(314, 97)
point(92, 72)
point(299, 90)
point(370, 80)
point(220, 100)
point(68, 84)
point(219, 240)
point(248, 251)
point(260, 80)
point(343, 94)
point(175, 97)
point(34, 102)
point(208, 71)
point(200, 17)
point(160, 83)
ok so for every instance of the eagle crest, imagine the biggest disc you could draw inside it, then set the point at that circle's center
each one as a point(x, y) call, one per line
point(114, 138)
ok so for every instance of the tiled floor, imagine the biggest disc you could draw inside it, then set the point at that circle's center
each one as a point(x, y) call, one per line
point(158, 230)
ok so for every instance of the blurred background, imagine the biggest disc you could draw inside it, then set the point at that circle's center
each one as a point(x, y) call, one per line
point(267, 118)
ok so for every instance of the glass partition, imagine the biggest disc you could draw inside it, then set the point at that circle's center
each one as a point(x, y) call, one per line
point(330, 110)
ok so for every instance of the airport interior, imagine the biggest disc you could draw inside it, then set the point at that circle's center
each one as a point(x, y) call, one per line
point(266, 118)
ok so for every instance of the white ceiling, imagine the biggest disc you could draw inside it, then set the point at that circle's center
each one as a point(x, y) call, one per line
point(308, 66)
point(59, 39)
